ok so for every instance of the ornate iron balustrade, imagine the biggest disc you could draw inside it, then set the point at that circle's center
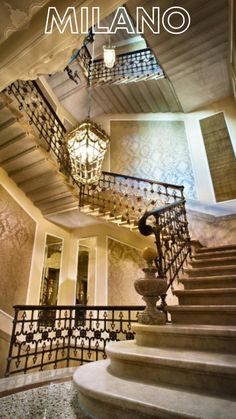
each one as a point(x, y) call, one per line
point(61, 336)
point(40, 114)
point(129, 67)
point(170, 227)
point(128, 196)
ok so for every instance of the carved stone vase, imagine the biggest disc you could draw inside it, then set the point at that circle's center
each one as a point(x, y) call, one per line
point(151, 288)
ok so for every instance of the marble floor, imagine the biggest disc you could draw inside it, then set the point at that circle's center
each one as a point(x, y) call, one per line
point(53, 401)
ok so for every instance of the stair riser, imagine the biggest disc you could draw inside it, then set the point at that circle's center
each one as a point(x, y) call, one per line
point(216, 249)
point(210, 272)
point(225, 344)
point(208, 263)
point(215, 255)
point(204, 318)
point(200, 379)
point(210, 299)
point(126, 409)
point(209, 284)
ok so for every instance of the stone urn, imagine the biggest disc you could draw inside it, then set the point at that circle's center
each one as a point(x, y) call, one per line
point(151, 287)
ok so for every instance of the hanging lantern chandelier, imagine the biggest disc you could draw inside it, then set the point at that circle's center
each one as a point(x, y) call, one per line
point(87, 145)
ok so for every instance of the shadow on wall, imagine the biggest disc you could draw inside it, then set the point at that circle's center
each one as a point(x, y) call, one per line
point(66, 293)
point(210, 230)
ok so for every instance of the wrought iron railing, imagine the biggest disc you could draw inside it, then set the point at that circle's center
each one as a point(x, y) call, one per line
point(169, 225)
point(133, 66)
point(73, 335)
point(44, 120)
point(128, 197)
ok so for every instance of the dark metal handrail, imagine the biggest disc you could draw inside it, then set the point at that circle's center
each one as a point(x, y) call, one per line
point(170, 227)
point(150, 181)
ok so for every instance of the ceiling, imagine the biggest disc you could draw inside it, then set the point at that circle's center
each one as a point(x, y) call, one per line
point(16, 14)
point(196, 63)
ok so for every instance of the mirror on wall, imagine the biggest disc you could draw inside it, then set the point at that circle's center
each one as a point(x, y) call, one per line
point(86, 271)
point(51, 271)
point(82, 276)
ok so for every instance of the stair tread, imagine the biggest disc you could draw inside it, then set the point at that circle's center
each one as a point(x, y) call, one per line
point(209, 278)
point(207, 291)
point(151, 400)
point(216, 248)
point(219, 253)
point(212, 260)
point(202, 307)
point(194, 329)
point(200, 360)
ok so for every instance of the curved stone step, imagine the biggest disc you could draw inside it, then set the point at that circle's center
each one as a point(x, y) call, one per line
point(209, 282)
point(111, 397)
point(225, 296)
point(206, 372)
point(194, 337)
point(211, 271)
point(203, 314)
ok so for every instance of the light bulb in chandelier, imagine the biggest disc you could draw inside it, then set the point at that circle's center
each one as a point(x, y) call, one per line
point(109, 56)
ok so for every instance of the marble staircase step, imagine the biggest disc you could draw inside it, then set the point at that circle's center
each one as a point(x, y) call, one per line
point(207, 372)
point(216, 249)
point(211, 271)
point(203, 314)
point(225, 296)
point(113, 397)
point(195, 337)
point(216, 254)
point(219, 261)
point(227, 281)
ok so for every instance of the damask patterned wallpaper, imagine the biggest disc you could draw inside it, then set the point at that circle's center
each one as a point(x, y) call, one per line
point(17, 231)
point(157, 150)
point(125, 265)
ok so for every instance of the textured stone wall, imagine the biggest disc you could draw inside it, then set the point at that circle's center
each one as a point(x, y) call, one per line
point(210, 230)
point(17, 231)
point(124, 267)
point(156, 150)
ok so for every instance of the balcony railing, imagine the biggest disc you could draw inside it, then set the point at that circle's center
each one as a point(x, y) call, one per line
point(62, 336)
point(129, 197)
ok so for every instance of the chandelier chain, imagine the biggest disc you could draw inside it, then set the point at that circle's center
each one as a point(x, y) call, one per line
point(90, 90)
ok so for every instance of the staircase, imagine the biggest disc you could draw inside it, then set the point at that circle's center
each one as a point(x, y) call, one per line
point(33, 152)
point(186, 369)
point(29, 162)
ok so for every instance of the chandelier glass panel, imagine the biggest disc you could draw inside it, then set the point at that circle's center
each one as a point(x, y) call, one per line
point(87, 145)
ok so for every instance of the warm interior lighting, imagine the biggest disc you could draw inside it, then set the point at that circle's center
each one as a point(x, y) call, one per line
point(87, 145)
point(109, 56)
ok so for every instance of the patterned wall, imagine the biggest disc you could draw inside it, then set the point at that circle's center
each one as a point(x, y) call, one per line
point(17, 231)
point(156, 150)
point(124, 267)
